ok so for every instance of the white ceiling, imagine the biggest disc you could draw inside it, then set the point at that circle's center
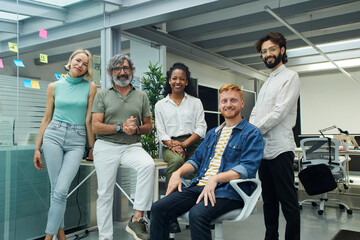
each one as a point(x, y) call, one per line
point(60, 3)
point(221, 33)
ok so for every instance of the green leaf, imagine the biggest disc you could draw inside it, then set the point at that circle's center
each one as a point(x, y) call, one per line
point(153, 83)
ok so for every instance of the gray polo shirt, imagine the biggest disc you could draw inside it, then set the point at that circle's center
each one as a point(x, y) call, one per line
point(116, 110)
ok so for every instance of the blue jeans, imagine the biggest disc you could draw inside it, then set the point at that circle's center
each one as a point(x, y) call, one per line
point(178, 203)
point(64, 146)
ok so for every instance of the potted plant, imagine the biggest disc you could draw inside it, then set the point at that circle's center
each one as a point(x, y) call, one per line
point(153, 83)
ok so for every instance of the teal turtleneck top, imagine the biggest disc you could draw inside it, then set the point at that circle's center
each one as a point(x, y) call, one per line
point(71, 97)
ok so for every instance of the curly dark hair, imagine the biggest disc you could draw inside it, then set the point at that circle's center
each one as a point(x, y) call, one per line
point(189, 89)
point(276, 38)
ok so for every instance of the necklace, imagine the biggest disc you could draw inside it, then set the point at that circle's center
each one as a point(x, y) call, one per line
point(177, 101)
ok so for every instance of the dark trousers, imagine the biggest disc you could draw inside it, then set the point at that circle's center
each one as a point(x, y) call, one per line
point(277, 181)
point(200, 217)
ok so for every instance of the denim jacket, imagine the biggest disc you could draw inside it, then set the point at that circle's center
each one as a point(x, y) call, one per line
point(243, 154)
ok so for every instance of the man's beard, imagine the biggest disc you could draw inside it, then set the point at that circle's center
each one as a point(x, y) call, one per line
point(231, 115)
point(122, 83)
point(275, 63)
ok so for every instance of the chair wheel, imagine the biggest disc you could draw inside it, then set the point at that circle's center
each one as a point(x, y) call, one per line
point(314, 204)
point(349, 211)
point(320, 212)
point(341, 206)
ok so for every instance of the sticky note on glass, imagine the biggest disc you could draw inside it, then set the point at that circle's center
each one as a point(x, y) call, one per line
point(35, 84)
point(58, 76)
point(19, 63)
point(31, 84)
point(43, 58)
point(1, 63)
point(27, 83)
point(13, 47)
point(42, 33)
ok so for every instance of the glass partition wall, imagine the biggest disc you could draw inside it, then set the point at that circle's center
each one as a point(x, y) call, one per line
point(32, 55)
point(25, 190)
point(29, 62)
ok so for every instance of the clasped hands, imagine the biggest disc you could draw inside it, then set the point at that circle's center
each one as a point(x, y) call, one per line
point(129, 127)
point(177, 147)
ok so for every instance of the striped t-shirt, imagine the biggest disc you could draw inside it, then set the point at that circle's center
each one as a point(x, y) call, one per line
point(216, 160)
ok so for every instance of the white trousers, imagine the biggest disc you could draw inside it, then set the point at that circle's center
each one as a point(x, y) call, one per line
point(107, 158)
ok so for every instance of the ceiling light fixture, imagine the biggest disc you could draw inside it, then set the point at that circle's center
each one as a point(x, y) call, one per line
point(269, 10)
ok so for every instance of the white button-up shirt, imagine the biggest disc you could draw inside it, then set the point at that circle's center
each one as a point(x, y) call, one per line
point(174, 121)
point(275, 111)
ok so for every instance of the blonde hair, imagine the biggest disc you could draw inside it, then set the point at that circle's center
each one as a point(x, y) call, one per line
point(230, 87)
point(90, 67)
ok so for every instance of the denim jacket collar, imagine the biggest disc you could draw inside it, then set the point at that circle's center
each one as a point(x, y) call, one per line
point(240, 126)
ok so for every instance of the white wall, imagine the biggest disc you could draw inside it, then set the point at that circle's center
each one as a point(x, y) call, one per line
point(328, 99)
point(142, 53)
point(209, 76)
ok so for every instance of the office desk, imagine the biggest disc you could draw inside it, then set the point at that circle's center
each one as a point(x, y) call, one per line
point(25, 196)
point(159, 164)
point(347, 159)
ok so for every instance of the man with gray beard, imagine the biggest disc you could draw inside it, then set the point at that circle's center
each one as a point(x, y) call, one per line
point(120, 115)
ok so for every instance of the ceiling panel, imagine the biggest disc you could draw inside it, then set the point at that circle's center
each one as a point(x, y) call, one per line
point(210, 31)
point(233, 36)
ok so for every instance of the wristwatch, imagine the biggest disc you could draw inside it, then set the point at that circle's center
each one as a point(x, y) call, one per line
point(118, 128)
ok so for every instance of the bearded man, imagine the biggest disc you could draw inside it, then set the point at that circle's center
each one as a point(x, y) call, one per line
point(275, 115)
point(120, 115)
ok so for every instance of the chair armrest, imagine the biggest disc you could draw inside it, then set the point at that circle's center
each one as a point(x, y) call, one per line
point(249, 201)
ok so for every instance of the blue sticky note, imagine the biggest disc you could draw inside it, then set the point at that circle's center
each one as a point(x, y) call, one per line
point(27, 83)
point(19, 63)
point(58, 76)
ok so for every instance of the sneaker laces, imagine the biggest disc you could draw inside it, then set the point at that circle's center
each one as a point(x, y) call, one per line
point(144, 225)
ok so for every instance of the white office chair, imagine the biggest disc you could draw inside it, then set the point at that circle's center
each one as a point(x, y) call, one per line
point(324, 151)
point(238, 214)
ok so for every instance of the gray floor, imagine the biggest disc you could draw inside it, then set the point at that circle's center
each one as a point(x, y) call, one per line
point(313, 226)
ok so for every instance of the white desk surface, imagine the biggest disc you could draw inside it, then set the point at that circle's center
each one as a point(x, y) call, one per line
point(341, 152)
point(159, 164)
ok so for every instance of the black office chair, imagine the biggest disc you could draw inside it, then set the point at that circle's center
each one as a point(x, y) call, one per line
point(322, 171)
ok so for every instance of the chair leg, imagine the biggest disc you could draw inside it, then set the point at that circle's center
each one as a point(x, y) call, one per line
point(324, 199)
point(322, 206)
point(218, 231)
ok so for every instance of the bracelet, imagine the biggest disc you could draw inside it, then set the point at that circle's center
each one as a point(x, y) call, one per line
point(40, 150)
point(92, 148)
point(137, 129)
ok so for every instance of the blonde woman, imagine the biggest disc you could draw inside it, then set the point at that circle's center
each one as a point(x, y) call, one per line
point(62, 135)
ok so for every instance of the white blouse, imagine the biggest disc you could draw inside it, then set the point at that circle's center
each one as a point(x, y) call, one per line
point(174, 121)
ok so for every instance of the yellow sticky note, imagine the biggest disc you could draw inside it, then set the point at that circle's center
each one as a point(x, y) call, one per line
point(63, 75)
point(13, 47)
point(43, 58)
point(35, 84)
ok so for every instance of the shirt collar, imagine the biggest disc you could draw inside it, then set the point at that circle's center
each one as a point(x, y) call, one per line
point(240, 126)
point(278, 70)
point(131, 89)
point(167, 98)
